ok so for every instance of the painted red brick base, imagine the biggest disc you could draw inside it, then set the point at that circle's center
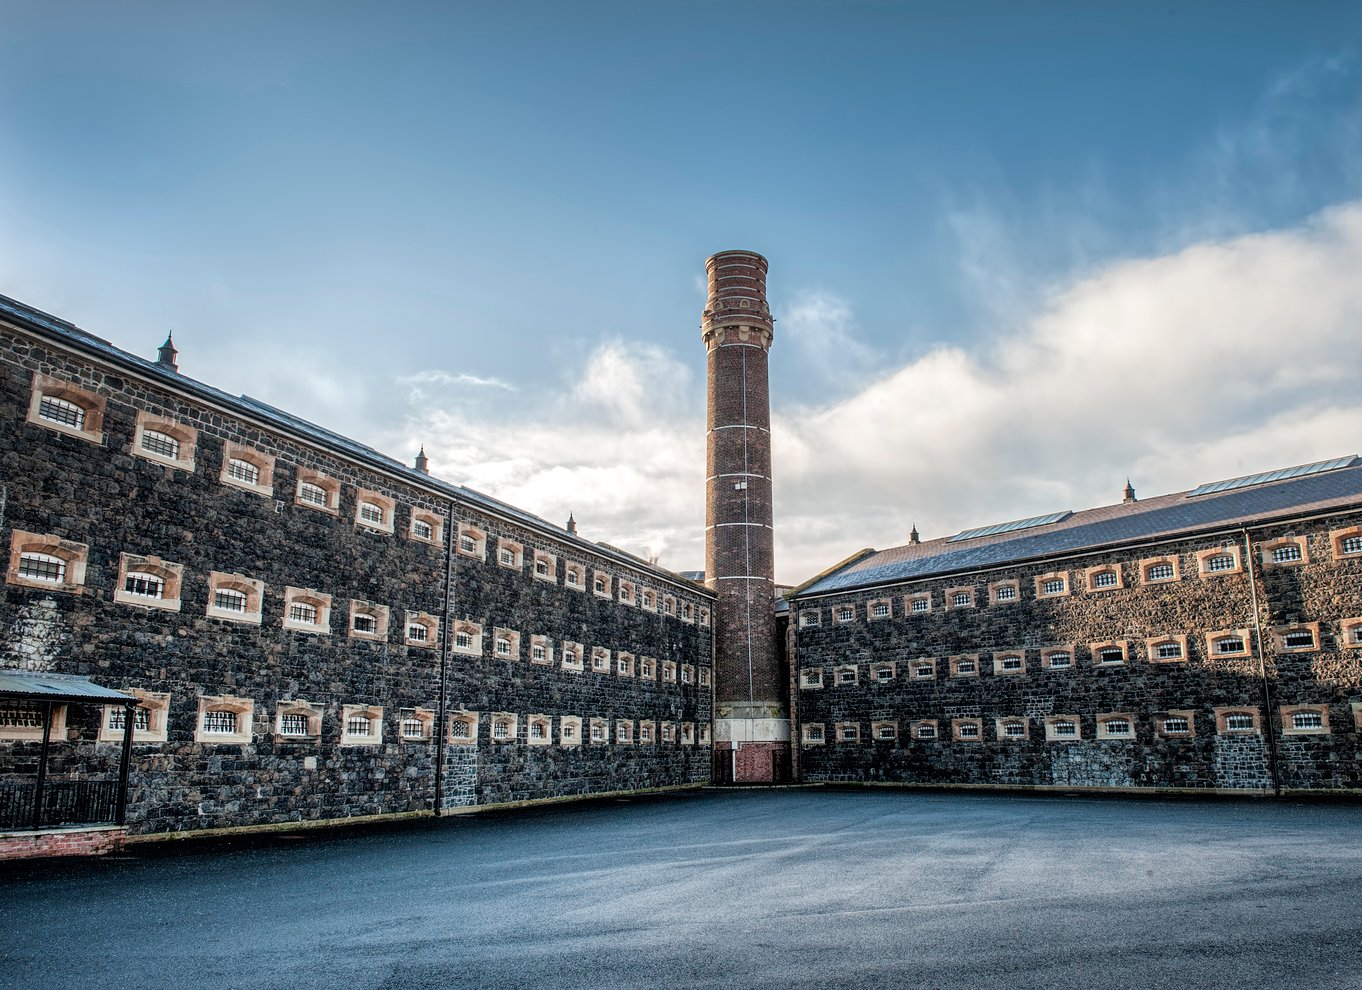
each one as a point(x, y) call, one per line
point(48, 843)
point(761, 763)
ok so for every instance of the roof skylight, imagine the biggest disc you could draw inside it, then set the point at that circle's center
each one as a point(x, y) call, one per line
point(1011, 527)
point(1281, 474)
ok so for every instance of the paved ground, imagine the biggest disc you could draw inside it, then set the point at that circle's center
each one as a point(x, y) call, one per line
point(789, 889)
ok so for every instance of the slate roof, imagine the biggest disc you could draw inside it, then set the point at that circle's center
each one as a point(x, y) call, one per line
point(1164, 516)
point(26, 316)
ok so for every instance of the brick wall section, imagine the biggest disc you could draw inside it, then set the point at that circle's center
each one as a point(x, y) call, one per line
point(60, 843)
point(1324, 590)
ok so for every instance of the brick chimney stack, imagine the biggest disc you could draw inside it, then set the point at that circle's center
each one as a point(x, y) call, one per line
point(751, 724)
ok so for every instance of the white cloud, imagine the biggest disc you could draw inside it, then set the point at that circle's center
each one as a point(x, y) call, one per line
point(822, 327)
point(446, 378)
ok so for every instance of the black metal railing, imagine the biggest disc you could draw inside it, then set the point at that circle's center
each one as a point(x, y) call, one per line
point(65, 802)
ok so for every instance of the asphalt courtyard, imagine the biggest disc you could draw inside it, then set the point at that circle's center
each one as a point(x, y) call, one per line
point(792, 888)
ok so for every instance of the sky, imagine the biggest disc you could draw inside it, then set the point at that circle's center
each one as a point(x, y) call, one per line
point(1019, 252)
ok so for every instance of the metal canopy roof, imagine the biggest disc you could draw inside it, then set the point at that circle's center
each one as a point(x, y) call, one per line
point(35, 685)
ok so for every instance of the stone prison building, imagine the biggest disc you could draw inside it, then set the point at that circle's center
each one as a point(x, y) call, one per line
point(219, 616)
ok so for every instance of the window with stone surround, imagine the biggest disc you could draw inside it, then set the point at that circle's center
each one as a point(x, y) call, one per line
point(1175, 725)
point(1238, 721)
point(24, 721)
point(667, 730)
point(426, 527)
point(572, 656)
point(1163, 569)
point(467, 638)
point(1350, 633)
point(415, 724)
point(704, 616)
point(602, 584)
point(1305, 720)
point(879, 608)
point(510, 554)
point(235, 597)
point(923, 669)
point(307, 610)
point(1057, 658)
point(470, 541)
point(1063, 728)
point(66, 408)
point(224, 720)
point(1228, 643)
point(624, 731)
point(368, 620)
point(315, 490)
point(1166, 649)
point(538, 730)
point(599, 731)
point(1112, 653)
point(148, 582)
point(959, 598)
point(148, 721)
point(505, 644)
point(361, 725)
point(668, 604)
point(47, 562)
point(917, 603)
point(687, 612)
point(812, 734)
point(1116, 725)
point(423, 630)
point(545, 567)
point(1012, 729)
point(624, 664)
point(885, 731)
point(1005, 592)
point(1055, 584)
point(626, 592)
point(1009, 662)
point(687, 673)
point(687, 733)
point(164, 441)
point(569, 730)
point(1219, 562)
point(669, 671)
point(647, 733)
point(541, 650)
point(964, 665)
point(1346, 543)
point(925, 729)
point(649, 599)
point(246, 468)
point(847, 732)
point(374, 511)
point(1103, 577)
point(704, 677)
point(600, 660)
point(1300, 637)
point(647, 668)
point(845, 675)
point(505, 726)
point(809, 617)
point(1285, 551)
point(967, 729)
point(574, 576)
point(296, 720)
point(882, 673)
point(463, 728)
point(811, 677)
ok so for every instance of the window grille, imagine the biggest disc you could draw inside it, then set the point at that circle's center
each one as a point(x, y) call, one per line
point(1221, 562)
point(422, 530)
point(144, 585)
point(467, 545)
point(645, 734)
point(960, 599)
point(1168, 651)
point(220, 723)
point(685, 674)
point(926, 670)
point(849, 733)
point(600, 585)
point(599, 661)
point(844, 615)
point(1355, 634)
point(1307, 720)
point(685, 611)
point(1229, 644)
point(141, 719)
point(371, 513)
point(1176, 725)
point(537, 652)
point(884, 674)
point(597, 733)
point(1351, 544)
point(1111, 654)
point(508, 558)
point(846, 677)
point(1117, 727)
point(886, 732)
point(461, 729)
point(503, 646)
point(359, 725)
point(229, 600)
point(1014, 730)
point(926, 732)
point(243, 471)
point(418, 633)
point(1286, 553)
point(969, 730)
point(56, 410)
point(1159, 572)
point(42, 567)
point(1104, 579)
point(622, 732)
point(965, 667)
point(501, 729)
point(18, 716)
point(1059, 661)
point(881, 610)
point(1298, 639)
point(1005, 593)
point(647, 669)
point(1065, 729)
point(541, 567)
point(412, 728)
point(808, 619)
point(921, 604)
point(1012, 663)
point(365, 624)
point(569, 731)
point(1238, 722)
point(463, 639)
point(303, 612)
point(293, 724)
point(156, 442)
point(574, 577)
point(1052, 586)
point(312, 494)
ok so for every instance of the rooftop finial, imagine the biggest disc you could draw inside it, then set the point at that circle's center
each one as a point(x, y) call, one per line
point(913, 535)
point(423, 462)
point(166, 353)
point(1129, 494)
point(572, 525)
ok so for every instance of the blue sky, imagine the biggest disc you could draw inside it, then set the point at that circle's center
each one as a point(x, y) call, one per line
point(483, 227)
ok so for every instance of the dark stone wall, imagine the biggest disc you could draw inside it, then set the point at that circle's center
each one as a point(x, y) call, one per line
point(1324, 590)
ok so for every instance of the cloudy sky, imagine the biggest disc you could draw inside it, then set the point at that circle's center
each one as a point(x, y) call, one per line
point(1018, 252)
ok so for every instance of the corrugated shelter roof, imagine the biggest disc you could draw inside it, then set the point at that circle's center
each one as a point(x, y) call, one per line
point(1164, 516)
point(31, 685)
point(26, 315)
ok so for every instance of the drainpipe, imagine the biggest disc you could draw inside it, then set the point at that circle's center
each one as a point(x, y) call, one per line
point(440, 715)
point(1268, 719)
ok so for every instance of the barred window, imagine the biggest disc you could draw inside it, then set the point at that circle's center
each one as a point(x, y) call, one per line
point(21, 716)
point(118, 718)
point(417, 632)
point(885, 732)
point(965, 667)
point(501, 729)
point(156, 442)
point(229, 600)
point(1104, 579)
point(969, 730)
point(960, 599)
point(1307, 720)
point(1111, 654)
point(1298, 639)
point(921, 604)
point(461, 729)
point(849, 733)
point(845, 614)
point(1117, 727)
point(219, 722)
point(312, 494)
point(42, 567)
point(569, 730)
point(1014, 730)
point(412, 728)
point(371, 513)
point(538, 730)
point(813, 733)
point(303, 612)
point(243, 471)
point(600, 585)
point(1052, 586)
point(884, 674)
point(1286, 553)
point(1060, 661)
point(359, 725)
point(1159, 572)
point(1012, 663)
point(1065, 729)
point(597, 732)
point(1005, 593)
point(463, 639)
point(1351, 544)
point(144, 585)
point(1238, 722)
point(926, 732)
point(507, 557)
point(467, 545)
point(925, 670)
point(1229, 644)
point(503, 646)
point(1168, 651)
point(293, 724)
point(541, 567)
point(1221, 562)
point(846, 677)
point(364, 623)
point(422, 530)
point(1176, 725)
point(881, 610)
point(56, 410)
point(537, 652)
